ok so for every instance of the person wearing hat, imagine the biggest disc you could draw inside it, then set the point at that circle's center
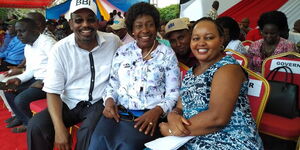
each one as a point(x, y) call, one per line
point(119, 28)
point(77, 74)
point(13, 54)
point(177, 32)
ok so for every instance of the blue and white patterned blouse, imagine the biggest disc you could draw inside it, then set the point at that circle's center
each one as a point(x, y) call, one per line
point(239, 133)
point(141, 84)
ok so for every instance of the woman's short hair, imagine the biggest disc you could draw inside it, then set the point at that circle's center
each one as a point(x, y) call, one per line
point(232, 25)
point(276, 18)
point(138, 9)
point(219, 28)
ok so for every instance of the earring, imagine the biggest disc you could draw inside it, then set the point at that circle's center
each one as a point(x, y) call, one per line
point(222, 47)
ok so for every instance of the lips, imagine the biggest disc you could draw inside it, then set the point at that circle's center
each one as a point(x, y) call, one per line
point(202, 50)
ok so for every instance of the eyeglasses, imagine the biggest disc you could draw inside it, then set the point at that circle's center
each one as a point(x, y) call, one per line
point(125, 114)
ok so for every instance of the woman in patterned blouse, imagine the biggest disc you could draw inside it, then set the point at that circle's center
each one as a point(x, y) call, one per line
point(214, 106)
point(143, 85)
point(272, 25)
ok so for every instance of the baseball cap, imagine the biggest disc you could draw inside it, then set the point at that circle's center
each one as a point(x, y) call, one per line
point(80, 4)
point(118, 24)
point(175, 25)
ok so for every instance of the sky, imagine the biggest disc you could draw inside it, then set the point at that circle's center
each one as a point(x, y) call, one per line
point(164, 3)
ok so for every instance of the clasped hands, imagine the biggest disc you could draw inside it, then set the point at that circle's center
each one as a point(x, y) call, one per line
point(146, 123)
point(176, 126)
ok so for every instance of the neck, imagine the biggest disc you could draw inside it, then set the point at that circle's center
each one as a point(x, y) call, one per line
point(34, 39)
point(204, 65)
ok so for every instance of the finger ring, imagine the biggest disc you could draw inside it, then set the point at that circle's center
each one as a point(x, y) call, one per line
point(170, 131)
point(150, 123)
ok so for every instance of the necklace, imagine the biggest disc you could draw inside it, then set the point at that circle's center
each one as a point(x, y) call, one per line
point(150, 50)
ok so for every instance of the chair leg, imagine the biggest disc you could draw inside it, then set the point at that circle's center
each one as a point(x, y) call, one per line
point(298, 144)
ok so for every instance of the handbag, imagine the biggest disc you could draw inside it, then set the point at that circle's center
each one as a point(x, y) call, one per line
point(283, 100)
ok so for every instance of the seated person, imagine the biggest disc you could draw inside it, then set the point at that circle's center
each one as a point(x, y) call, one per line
point(29, 83)
point(177, 32)
point(294, 35)
point(214, 110)
point(119, 28)
point(77, 74)
point(271, 24)
point(232, 34)
point(144, 79)
point(13, 55)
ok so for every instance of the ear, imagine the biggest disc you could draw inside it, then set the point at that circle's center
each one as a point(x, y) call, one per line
point(222, 40)
point(71, 24)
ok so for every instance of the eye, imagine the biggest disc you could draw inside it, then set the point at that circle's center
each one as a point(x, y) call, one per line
point(209, 38)
point(78, 20)
point(138, 26)
point(195, 38)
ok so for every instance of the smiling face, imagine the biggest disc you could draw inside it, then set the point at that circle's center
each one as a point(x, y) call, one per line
point(206, 42)
point(84, 25)
point(144, 31)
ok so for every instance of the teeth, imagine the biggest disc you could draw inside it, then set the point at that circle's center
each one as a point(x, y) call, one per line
point(86, 31)
point(145, 37)
point(202, 50)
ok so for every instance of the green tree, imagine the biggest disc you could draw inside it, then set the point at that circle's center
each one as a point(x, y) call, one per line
point(169, 12)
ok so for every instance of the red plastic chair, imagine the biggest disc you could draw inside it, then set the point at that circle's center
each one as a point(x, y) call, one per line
point(238, 56)
point(38, 105)
point(258, 94)
point(274, 125)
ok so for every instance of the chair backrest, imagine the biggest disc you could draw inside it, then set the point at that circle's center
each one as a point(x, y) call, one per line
point(247, 44)
point(183, 69)
point(290, 59)
point(258, 94)
point(238, 56)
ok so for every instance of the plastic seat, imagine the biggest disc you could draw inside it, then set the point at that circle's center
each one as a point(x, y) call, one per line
point(238, 56)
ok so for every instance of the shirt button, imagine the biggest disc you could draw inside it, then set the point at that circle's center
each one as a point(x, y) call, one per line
point(92, 80)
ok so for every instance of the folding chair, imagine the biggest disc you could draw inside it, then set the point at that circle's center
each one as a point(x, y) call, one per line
point(247, 44)
point(274, 125)
point(39, 105)
point(238, 56)
point(183, 69)
point(258, 94)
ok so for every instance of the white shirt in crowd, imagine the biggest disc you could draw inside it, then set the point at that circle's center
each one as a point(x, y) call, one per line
point(127, 38)
point(236, 45)
point(37, 58)
point(69, 69)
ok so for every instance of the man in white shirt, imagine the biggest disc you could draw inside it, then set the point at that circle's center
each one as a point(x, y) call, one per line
point(29, 84)
point(78, 72)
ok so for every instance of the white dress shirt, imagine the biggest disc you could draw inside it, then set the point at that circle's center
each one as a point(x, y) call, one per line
point(37, 58)
point(69, 71)
point(237, 45)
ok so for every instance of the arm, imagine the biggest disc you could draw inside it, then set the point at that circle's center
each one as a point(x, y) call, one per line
point(62, 137)
point(225, 89)
point(148, 122)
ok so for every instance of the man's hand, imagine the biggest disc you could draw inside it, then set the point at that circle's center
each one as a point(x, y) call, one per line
point(13, 71)
point(63, 140)
point(15, 81)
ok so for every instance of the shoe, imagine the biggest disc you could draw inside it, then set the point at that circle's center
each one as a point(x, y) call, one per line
point(14, 123)
point(10, 119)
point(19, 129)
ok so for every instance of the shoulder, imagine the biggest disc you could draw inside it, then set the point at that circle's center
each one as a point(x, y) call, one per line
point(47, 38)
point(108, 36)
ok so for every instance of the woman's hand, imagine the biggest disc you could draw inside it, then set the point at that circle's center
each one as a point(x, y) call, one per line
point(148, 121)
point(111, 110)
point(177, 124)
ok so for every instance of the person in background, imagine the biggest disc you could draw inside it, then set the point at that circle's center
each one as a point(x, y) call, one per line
point(272, 25)
point(161, 33)
point(13, 55)
point(294, 35)
point(179, 36)
point(77, 74)
point(7, 37)
point(51, 25)
point(254, 35)
point(213, 104)
point(119, 28)
point(231, 34)
point(143, 86)
point(40, 20)
point(213, 13)
point(244, 26)
point(29, 84)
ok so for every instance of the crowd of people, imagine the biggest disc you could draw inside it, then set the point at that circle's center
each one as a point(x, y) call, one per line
point(121, 79)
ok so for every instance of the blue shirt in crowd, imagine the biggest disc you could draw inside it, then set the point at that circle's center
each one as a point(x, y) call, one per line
point(7, 39)
point(14, 53)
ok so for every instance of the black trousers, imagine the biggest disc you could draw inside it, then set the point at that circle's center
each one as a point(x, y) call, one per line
point(40, 130)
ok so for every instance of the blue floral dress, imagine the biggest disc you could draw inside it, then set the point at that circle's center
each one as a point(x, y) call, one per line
point(240, 133)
